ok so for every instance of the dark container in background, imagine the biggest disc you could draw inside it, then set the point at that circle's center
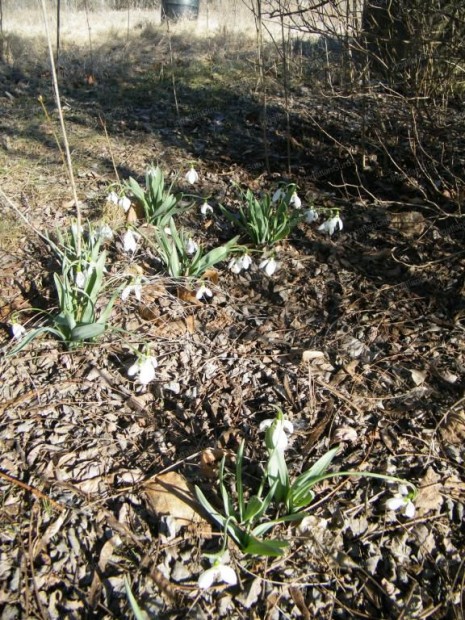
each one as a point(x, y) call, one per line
point(180, 9)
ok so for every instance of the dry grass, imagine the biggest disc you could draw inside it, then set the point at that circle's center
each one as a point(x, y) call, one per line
point(76, 26)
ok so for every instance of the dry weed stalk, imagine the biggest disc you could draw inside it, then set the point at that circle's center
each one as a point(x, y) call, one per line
point(63, 127)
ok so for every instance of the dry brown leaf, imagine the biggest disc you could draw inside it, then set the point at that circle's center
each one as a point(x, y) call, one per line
point(429, 498)
point(209, 461)
point(170, 494)
point(188, 295)
point(453, 431)
point(418, 376)
point(409, 223)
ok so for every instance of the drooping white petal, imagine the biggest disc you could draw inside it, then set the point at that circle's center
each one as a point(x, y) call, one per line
point(207, 578)
point(124, 203)
point(409, 510)
point(403, 490)
point(269, 265)
point(191, 247)
point(134, 369)
point(395, 503)
point(278, 195)
point(235, 265)
point(130, 241)
point(265, 424)
point(295, 201)
point(104, 232)
point(203, 291)
point(17, 330)
point(192, 177)
point(80, 279)
point(113, 198)
point(227, 574)
point(311, 216)
point(147, 370)
point(206, 208)
point(246, 261)
point(331, 224)
point(288, 426)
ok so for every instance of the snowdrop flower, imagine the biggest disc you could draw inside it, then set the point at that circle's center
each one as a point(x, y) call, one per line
point(191, 247)
point(205, 209)
point(295, 200)
point(402, 501)
point(113, 198)
point(135, 288)
point(80, 279)
point(17, 330)
point(278, 195)
point(311, 216)
point(218, 572)
point(203, 291)
point(130, 240)
point(236, 265)
point(104, 232)
point(144, 368)
point(192, 177)
point(269, 265)
point(332, 224)
point(124, 203)
point(276, 432)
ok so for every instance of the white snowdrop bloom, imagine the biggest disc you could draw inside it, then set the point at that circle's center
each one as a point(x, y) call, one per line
point(104, 232)
point(17, 330)
point(124, 203)
point(295, 201)
point(278, 195)
point(130, 240)
point(332, 224)
point(135, 288)
point(203, 291)
point(311, 216)
point(217, 573)
point(236, 265)
point(205, 209)
point(76, 230)
point(113, 198)
point(191, 247)
point(192, 177)
point(269, 265)
point(401, 501)
point(246, 261)
point(144, 368)
point(277, 435)
point(80, 279)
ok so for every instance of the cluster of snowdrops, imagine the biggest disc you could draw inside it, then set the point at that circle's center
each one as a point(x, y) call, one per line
point(84, 313)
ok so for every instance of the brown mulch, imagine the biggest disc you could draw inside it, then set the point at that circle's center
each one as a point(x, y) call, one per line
point(359, 338)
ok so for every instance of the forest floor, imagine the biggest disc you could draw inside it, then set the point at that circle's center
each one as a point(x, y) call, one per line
point(358, 337)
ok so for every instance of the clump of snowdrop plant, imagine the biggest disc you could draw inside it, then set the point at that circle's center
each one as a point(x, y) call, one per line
point(159, 203)
point(79, 287)
point(268, 219)
point(249, 514)
point(183, 257)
